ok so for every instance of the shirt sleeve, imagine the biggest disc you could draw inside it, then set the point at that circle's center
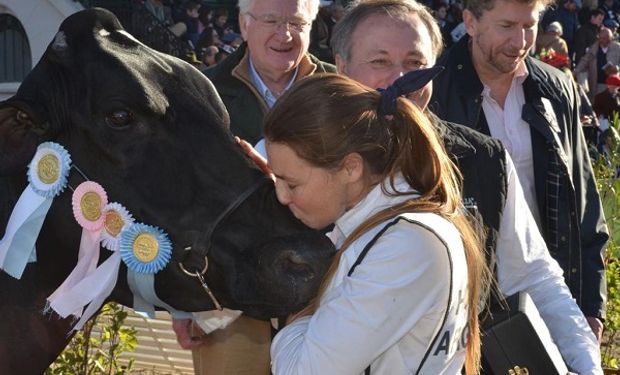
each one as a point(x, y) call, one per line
point(524, 264)
point(403, 281)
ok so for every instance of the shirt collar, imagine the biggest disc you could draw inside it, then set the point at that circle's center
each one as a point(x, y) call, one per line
point(519, 77)
point(258, 82)
point(374, 202)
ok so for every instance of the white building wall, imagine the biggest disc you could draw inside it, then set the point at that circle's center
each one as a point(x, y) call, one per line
point(40, 19)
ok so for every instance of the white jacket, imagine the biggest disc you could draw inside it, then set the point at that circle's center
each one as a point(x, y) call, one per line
point(404, 300)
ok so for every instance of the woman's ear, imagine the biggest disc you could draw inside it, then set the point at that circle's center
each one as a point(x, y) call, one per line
point(353, 167)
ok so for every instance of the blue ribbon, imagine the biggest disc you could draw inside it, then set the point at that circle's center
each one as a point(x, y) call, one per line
point(17, 247)
point(408, 83)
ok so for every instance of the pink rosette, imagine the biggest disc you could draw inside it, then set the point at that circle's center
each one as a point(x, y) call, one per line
point(89, 199)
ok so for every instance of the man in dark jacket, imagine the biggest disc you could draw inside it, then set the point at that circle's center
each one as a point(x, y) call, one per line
point(274, 56)
point(492, 85)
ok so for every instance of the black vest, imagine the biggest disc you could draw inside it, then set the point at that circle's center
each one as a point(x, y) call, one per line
point(482, 162)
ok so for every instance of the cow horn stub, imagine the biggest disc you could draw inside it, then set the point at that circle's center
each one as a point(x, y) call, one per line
point(60, 45)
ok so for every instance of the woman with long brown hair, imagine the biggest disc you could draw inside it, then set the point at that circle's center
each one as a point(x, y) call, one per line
point(404, 290)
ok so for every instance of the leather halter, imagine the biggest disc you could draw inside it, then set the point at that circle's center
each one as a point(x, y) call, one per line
point(206, 238)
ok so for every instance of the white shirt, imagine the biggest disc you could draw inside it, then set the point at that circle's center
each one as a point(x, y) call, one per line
point(388, 311)
point(506, 125)
point(524, 264)
point(262, 88)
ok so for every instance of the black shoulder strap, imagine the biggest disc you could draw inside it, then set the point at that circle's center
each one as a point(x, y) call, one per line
point(371, 243)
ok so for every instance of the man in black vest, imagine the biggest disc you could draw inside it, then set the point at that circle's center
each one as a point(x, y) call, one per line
point(491, 84)
point(405, 37)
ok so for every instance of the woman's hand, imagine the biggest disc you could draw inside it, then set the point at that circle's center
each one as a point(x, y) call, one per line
point(183, 329)
point(260, 161)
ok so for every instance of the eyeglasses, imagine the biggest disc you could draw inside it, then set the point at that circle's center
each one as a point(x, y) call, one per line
point(273, 23)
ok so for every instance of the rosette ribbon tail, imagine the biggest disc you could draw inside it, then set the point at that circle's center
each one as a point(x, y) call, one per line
point(88, 257)
point(93, 290)
point(17, 246)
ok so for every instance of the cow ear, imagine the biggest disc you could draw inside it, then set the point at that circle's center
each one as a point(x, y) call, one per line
point(20, 133)
point(60, 48)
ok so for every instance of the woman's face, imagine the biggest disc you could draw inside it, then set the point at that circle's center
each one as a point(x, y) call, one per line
point(316, 196)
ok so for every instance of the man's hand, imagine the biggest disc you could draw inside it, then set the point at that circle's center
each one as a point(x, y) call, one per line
point(260, 161)
point(597, 327)
point(183, 329)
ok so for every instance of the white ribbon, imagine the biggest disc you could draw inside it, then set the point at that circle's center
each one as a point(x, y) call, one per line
point(88, 257)
point(17, 247)
point(92, 291)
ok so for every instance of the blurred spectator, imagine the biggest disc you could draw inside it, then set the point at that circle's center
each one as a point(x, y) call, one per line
point(164, 15)
point(440, 12)
point(566, 15)
point(601, 60)
point(321, 32)
point(207, 38)
point(192, 11)
point(209, 55)
point(611, 25)
point(588, 33)
point(204, 19)
point(607, 101)
point(220, 22)
point(610, 7)
point(551, 39)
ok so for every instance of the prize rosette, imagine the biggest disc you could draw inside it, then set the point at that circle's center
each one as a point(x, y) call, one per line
point(89, 200)
point(117, 219)
point(47, 176)
point(49, 169)
point(145, 248)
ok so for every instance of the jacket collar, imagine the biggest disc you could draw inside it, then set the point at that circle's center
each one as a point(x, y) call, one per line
point(458, 60)
point(242, 70)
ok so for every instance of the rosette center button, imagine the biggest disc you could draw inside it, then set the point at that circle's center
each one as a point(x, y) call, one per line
point(145, 248)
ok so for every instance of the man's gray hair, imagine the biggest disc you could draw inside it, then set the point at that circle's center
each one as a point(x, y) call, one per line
point(360, 10)
point(311, 7)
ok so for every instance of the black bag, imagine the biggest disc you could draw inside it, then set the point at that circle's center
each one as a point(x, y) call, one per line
point(516, 341)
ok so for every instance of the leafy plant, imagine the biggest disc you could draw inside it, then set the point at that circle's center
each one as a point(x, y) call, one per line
point(97, 347)
point(605, 164)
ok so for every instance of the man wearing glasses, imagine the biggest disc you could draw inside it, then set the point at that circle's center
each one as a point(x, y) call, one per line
point(249, 81)
point(274, 55)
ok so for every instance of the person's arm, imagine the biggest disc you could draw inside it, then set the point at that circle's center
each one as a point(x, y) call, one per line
point(402, 283)
point(593, 230)
point(524, 264)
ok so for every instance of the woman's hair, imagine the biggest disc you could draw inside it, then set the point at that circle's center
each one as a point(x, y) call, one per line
point(325, 117)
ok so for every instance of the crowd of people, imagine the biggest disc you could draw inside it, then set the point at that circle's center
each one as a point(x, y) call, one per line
point(210, 31)
point(388, 146)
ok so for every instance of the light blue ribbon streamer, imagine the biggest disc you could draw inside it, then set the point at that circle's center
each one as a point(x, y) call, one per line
point(145, 299)
point(18, 244)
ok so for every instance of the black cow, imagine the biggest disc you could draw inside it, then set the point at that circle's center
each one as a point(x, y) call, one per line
point(153, 132)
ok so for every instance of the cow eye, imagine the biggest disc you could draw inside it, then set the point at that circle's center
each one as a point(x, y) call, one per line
point(22, 116)
point(119, 118)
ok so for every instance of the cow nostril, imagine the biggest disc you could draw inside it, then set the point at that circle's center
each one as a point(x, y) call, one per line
point(293, 262)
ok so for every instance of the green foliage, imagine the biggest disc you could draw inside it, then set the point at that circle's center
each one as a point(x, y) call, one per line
point(609, 187)
point(97, 347)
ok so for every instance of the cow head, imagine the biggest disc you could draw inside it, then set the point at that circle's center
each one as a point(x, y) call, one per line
point(153, 132)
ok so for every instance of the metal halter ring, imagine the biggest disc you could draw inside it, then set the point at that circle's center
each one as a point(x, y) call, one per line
point(201, 279)
point(204, 270)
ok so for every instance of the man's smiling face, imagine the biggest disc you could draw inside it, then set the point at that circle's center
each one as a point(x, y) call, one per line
point(281, 48)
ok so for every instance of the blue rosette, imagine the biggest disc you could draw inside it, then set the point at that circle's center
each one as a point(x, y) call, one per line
point(47, 176)
point(49, 170)
point(145, 248)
